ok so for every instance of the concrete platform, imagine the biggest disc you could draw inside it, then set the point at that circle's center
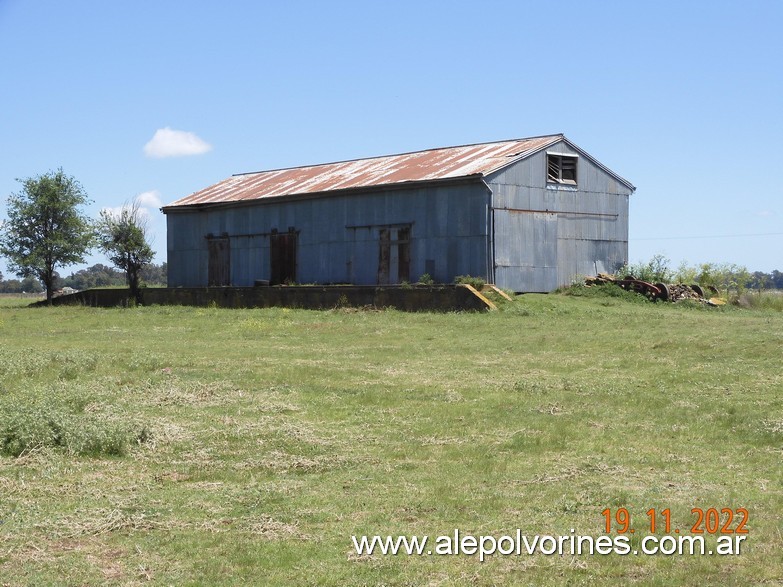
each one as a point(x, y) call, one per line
point(410, 298)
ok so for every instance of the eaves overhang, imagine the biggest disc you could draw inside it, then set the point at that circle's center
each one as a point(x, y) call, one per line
point(355, 191)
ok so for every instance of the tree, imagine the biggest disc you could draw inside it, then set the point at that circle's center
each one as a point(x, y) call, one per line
point(155, 274)
point(123, 238)
point(98, 275)
point(46, 228)
point(11, 286)
point(31, 285)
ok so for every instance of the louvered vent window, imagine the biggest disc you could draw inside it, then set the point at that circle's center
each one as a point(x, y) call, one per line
point(561, 169)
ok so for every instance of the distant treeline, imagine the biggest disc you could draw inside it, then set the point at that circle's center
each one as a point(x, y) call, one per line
point(96, 276)
point(760, 280)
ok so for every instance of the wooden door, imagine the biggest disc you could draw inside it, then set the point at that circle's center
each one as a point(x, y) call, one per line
point(219, 271)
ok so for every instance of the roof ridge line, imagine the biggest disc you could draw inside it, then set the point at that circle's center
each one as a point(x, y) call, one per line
point(560, 135)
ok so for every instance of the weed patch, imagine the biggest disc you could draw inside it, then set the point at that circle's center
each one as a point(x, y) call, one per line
point(768, 301)
point(28, 425)
point(30, 362)
point(476, 282)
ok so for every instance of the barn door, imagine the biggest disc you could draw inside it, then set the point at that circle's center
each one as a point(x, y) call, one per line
point(384, 256)
point(219, 270)
point(394, 255)
point(282, 250)
point(403, 254)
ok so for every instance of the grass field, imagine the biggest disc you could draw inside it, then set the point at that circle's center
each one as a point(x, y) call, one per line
point(201, 446)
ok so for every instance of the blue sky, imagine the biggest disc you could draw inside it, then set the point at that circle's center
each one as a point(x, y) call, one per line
point(681, 98)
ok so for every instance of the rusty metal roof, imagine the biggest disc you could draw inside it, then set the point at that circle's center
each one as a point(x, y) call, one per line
point(391, 170)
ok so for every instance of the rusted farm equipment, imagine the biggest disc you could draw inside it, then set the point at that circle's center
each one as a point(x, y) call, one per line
point(667, 292)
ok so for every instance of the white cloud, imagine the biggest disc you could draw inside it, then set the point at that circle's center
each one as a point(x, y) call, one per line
point(150, 199)
point(175, 143)
point(116, 211)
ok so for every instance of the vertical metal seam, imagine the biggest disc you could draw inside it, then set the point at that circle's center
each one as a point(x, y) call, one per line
point(490, 230)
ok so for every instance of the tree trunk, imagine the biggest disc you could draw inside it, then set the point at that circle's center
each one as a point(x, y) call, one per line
point(48, 282)
point(133, 283)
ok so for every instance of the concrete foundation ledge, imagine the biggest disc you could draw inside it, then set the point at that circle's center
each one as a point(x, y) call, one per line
point(409, 298)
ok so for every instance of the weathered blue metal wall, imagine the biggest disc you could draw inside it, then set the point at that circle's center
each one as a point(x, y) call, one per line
point(338, 235)
point(545, 235)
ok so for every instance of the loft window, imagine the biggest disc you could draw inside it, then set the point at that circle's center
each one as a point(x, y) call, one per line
point(561, 168)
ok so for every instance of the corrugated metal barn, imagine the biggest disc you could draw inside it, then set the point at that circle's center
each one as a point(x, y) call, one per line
point(528, 215)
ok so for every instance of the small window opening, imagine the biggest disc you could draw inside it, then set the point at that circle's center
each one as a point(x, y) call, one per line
point(561, 169)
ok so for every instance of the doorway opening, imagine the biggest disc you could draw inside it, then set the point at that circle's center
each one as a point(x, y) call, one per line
point(282, 250)
point(219, 266)
point(394, 257)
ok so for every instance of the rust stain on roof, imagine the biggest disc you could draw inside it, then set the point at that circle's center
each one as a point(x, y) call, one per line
point(433, 164)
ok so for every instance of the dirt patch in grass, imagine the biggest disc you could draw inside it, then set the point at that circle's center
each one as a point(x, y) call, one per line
point(272, 529)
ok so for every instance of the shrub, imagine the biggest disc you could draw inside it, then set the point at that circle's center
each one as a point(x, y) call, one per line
point(426, 279)
point(475, 282)
point(654, 271)
point(342, 301)
point(726, 277)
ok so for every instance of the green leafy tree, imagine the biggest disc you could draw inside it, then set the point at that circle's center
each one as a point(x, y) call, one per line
point(123, 238)
point(155, 274)
point(46, 228)
point(31, 285)
point(98, 275)
point(11, 286)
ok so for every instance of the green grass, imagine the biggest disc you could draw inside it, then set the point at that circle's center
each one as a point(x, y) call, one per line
point(763, 300)
point(236, 447)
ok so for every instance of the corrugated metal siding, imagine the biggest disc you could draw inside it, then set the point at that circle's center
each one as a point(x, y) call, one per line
point(591, 223)
point(527, 257)
point(338, 236)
